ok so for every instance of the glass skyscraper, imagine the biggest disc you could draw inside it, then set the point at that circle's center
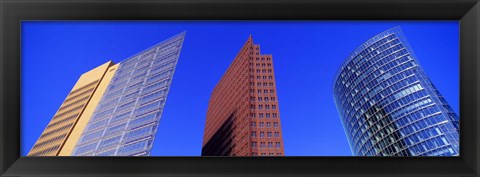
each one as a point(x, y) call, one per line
point(388, 105)
point(127, 117)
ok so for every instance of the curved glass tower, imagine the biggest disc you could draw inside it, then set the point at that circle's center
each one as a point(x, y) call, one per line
point(388, 105)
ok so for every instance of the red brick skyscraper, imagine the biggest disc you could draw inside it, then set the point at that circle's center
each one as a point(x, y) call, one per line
point(243, 117)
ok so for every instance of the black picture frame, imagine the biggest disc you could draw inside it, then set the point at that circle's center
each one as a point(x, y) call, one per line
point(14, 11)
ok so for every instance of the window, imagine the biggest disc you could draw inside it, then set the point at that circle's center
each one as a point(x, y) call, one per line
point(261, 124)
point(254, 134)
point(274, 115)
point(91, 136)
point(267, 115)
point(86, 148)
point(270, 145)
point(259, 98)
point(138, 133)
point(109, 142)
point(254, 124)
point(277, 144)
point(149, 107)
point(262, 144)
point(133, 147)
point(254, 144)
point(272, 91)
point(275, 124)
point(262, 134)
point(269, 134)
point(142, 120)
point(277, 134)
point(269, 124)
point(267, 106)
point(252, 115)
point(260, 106)
point(114, 129)
point(260, 115)
point(274, 106)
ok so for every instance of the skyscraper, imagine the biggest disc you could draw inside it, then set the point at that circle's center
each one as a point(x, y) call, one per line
point(243, 117)
point(114, 109)
point(388, 105)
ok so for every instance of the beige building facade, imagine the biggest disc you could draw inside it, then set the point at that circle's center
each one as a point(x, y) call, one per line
point(63, 131)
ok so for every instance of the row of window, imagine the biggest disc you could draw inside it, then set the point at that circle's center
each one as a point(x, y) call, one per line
point(258, 58)
point(262, 134)
point(265, 154)
point(46, 151)
point(78, 95)
point(69, 111)
point(62, 121)
point(73, 103)
point(262, 106)
point(262, 77)
point(262, 71)
point(262, 99)
point(48, 133)
point(83, 87)
point(265, 91)
point(262, 124)
point(260, 84)
point(262, 64)
point(261, 115)
point(264, 144)
point(59, 137)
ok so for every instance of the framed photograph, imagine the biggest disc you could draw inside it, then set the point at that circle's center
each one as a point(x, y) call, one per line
point(254, 88)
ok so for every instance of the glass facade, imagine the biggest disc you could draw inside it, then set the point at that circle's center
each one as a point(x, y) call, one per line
point(387, 104)
point(126, 120)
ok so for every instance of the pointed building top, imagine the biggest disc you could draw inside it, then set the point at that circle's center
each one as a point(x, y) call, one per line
point(249, 40)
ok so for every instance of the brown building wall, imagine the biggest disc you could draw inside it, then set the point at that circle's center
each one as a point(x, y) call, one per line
point(63, 131)
point(243, 116)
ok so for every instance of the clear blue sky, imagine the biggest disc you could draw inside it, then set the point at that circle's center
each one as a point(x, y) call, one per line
point(306, 56)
